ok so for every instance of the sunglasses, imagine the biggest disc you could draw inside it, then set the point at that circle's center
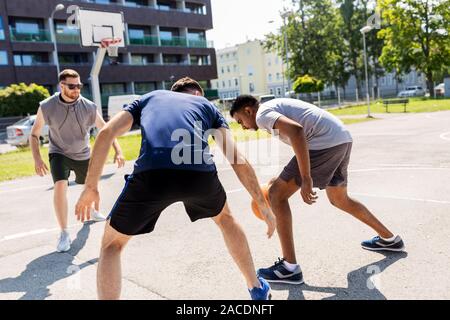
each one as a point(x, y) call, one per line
point(73, 86)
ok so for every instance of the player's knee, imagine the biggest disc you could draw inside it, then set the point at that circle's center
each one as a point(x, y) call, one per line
point(275, 194)
point(224, 220)
point(338, 200)
point(114, 246)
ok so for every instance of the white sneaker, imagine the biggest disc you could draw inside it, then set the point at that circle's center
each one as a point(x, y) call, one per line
point(97, 216)
point(63, 242)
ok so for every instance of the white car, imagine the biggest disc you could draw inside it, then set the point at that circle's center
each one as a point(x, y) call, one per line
point(19, 133)
point(413, 91)
point(440, 90)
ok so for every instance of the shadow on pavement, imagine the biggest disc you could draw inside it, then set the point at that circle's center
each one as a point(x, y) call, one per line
point(47, 270)
point(360, 287)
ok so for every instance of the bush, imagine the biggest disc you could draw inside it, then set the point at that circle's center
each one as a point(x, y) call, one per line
point(308, 84)
point(21, 100)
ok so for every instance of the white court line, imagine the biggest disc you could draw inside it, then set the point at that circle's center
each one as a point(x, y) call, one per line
point(445, 136)
point(400, 198)
point(32, 233)
point(42, 231)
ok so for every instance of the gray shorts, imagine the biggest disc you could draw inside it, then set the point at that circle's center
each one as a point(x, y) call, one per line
point(328, 167)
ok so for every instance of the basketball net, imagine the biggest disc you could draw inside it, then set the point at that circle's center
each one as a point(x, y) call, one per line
point(112, 46)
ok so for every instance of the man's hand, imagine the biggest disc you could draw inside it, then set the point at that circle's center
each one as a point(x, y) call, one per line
point(84, 205)
point(269, 219)
point(119, 159)
point(40, 167)
point(309, 196)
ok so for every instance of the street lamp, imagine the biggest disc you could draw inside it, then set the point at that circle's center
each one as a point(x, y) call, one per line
point(285, 15)
point(59, 7)
point(365, 30)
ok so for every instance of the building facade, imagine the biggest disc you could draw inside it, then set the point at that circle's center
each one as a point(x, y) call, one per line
point(165, 40)
point(248, 69)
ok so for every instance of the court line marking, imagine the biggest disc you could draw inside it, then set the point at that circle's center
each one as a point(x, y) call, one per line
point(44, 231)
point(445, 136)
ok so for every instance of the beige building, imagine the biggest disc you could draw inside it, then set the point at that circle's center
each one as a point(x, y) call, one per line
point(247, 69)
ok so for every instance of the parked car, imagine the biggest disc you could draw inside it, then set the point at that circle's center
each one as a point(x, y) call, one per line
point(440, 90)
point(413, 91)
point(266, 98)
point(19, 133)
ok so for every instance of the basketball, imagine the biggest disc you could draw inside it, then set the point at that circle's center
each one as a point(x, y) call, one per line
point(255, 208)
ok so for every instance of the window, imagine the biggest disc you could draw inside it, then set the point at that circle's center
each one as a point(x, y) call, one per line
point(271, 91)
point(236, 82)
point(136, 3)
point(278, 76)
point(172, 59)
point(2, 30)
point(195, 8)
point(270, 77)
point(142, 59)
point(3, 58)
point(200, 60)
point(25, 59)
point(223, 84)
point(269, 63)
point(250, 70)
point(279, 91)
point(228, 69)
point(223, 70)
point(251, 87)
point(73, 58)
point(113, 88)
point(217, 85)
point(229, 83)
point(235, 68)
point(144, 87)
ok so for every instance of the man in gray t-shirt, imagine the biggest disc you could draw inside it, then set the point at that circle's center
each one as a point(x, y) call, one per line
point(70, 118)
point(322, 147)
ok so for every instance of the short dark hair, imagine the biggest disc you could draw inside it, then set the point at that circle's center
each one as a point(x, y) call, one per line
point(243, 101)
point(68, 73)
point(186, 84)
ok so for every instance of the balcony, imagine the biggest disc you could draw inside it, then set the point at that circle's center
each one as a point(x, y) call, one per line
point(174, 42)
point(68, 38)
point(147, 40)
point(200, 43)
point(41, 36)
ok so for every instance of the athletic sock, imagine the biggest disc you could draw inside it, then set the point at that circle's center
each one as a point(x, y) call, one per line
point(289, 266)
point(389, 239)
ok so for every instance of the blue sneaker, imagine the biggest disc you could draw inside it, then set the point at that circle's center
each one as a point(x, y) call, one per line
point(262, 293)
point(378, 244)
point(279, 274)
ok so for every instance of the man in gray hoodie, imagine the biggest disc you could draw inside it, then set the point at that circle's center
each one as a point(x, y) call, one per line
point(70, 117)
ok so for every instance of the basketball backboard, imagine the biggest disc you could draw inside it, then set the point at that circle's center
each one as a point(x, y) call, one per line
point(96, 26)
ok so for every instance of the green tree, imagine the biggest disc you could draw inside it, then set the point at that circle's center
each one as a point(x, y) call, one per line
point(21, 99)
point(417, 36)
point(308, 84)
point(313, 40)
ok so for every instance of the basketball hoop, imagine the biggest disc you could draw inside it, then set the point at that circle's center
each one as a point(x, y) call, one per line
point(112, 45)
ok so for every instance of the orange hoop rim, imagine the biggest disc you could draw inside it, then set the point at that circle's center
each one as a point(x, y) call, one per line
point(107, 42)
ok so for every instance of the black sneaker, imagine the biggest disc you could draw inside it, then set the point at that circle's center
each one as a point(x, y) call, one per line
point(279, 274)
point(378, 244)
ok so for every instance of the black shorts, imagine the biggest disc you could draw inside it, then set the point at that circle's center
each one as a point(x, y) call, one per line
point(147, 194)
point(60, 167)
point(329, 167)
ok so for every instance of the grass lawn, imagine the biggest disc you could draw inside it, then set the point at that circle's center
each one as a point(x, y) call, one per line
point(20, 163)
point(415, 105)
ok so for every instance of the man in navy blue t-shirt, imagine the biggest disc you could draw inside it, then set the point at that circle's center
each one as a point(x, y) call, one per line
point(174, 165)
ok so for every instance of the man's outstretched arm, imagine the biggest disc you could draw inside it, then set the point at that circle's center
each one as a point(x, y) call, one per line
point(246, 175)
point(119, 125)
